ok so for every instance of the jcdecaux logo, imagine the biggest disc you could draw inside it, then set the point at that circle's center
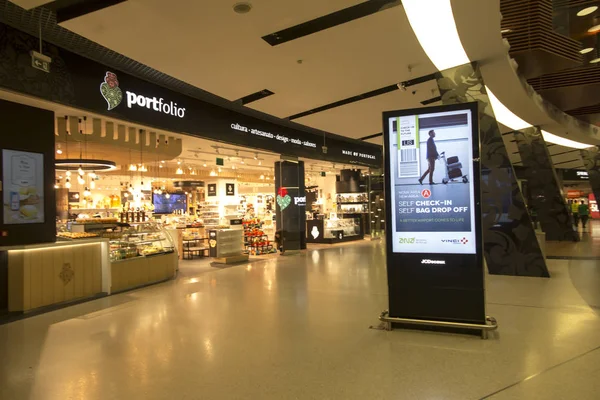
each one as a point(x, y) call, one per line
point(113, 95)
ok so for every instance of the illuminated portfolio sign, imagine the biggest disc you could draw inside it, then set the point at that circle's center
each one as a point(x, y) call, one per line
point(113, 95)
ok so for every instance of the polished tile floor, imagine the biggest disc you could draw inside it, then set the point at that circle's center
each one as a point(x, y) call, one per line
point(297, 327)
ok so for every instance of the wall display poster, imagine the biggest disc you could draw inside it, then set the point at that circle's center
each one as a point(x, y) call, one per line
point(230, 189)
point(23, 177)
point(212, 189)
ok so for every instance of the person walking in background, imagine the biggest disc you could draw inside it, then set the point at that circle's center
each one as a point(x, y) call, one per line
point(575, 212)
point(432, 155)
point(584, 213)
point(533, 215)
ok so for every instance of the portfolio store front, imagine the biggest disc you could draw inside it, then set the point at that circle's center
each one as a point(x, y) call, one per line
point(110, 99)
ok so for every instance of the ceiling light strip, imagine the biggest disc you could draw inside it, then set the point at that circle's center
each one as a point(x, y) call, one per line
point(445, 50)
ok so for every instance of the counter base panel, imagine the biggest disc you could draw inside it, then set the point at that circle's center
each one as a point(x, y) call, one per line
point(142, 271)
point(336, 240)
point(50, 275)
point(231, 259)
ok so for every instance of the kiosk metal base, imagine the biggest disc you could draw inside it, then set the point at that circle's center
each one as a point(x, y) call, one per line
point(485, 328)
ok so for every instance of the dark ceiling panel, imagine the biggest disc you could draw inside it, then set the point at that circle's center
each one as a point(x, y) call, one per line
point(255, 96)
point(348, 100)
point(70, 9)
point(329, 21)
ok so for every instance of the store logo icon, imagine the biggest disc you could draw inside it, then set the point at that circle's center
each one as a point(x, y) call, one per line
point(283, 199)
point(111, 91)
point(464, 241)
point(426, 193)
point(315, 232)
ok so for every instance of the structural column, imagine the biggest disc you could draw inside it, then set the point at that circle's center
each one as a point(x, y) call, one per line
point(510, 243)
point(591, 162)
point(290, 208)
point(546, 195)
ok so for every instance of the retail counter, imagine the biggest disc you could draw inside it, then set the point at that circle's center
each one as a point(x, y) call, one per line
point(67, 270)
point(50, 273)
point(334, 230)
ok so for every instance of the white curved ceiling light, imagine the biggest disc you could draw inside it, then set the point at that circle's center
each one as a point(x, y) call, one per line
point(586, 50)
point(433, 23)
point(550, 138)
point(586, 11)
point(504, 115)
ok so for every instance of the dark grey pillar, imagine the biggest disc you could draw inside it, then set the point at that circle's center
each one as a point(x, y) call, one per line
point(546, 194)
point(510, 243)
point(290, 207)
point(591, 162)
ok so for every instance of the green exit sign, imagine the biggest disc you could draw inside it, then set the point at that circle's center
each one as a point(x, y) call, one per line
point(220, 161)
point(323, 173)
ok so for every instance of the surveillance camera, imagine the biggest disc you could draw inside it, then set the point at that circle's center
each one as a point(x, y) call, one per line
point(401, 86)
point(414, 92)
point(324, 149)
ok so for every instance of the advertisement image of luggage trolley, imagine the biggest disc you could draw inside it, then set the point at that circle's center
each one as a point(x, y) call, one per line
point(453, 169)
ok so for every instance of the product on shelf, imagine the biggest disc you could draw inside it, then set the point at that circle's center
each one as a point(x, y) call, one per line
point(76, 235)
point(256, 241)
point(96, 220)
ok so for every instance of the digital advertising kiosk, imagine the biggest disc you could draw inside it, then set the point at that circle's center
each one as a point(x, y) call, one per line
point(434, 239)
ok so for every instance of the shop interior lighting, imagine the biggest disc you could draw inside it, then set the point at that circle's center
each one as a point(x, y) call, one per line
point(219, 169)
point(68, 173)
point(179, 171)
point(167, 195)
point(204, 165)
point(68, 184)
point(80, 171)
point(213, 173)
point(58, 150)
point(92, 185)
point(586, 11)
point(80, 180)
point(444, 48)
point(133, 168)
point(596, 26)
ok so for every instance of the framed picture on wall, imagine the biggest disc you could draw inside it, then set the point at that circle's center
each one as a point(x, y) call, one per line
point(212, 189)
point(230, 189)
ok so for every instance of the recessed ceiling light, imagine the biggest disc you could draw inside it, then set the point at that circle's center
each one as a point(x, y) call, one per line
point(594, 28)
point(242, 8)
point(586, 11)
point(586, 50)
point(595, 60)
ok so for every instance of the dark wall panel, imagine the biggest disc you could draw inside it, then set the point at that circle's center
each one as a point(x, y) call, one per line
point(29, 129)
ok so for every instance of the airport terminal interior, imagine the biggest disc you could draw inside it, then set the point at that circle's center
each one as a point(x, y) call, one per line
point(349, 199)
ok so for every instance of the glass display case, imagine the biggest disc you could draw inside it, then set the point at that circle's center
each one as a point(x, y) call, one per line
point(334, 230)
point(143, 239)
point(348, 226)
point(352, 203)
